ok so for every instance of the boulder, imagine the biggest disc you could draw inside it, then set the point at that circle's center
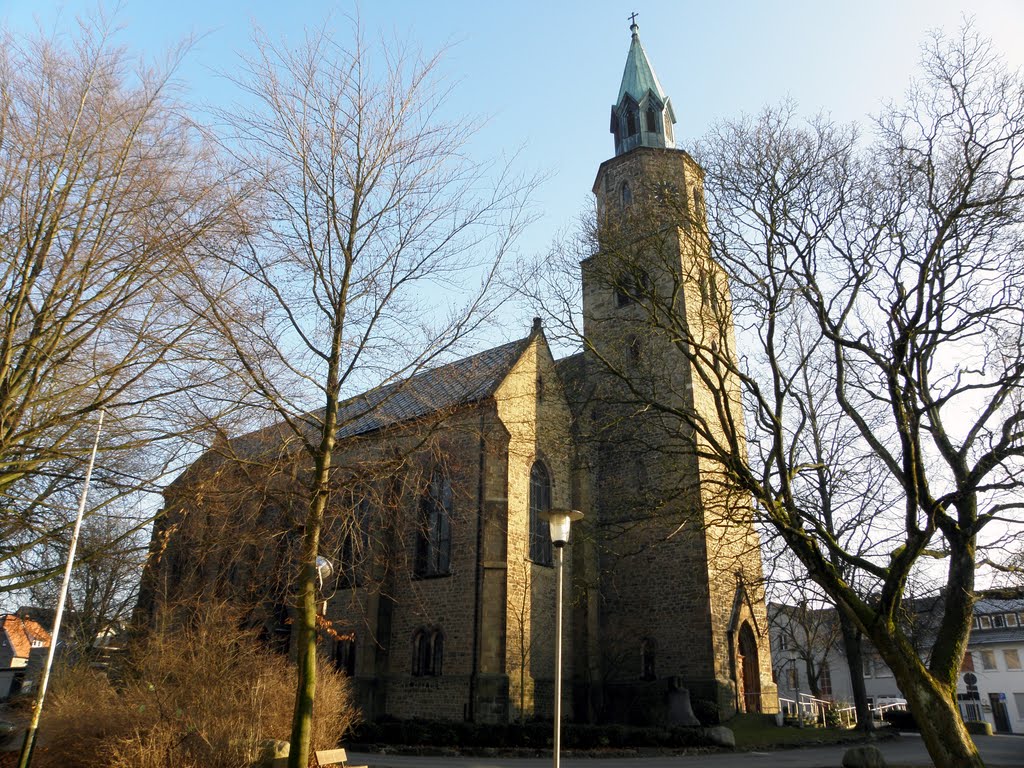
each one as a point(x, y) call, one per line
point(721, 736)
point(864, 756)
point(270, 750)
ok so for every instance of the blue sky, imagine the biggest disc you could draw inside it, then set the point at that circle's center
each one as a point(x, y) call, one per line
point(546, 73)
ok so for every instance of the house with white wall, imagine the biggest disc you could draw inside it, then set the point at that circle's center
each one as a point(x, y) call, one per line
point(23, 645)
point(991, 681)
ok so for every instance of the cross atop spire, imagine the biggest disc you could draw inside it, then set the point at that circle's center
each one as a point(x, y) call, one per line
point(632, 22)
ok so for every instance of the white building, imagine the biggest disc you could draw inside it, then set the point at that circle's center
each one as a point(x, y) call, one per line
point(991, 682)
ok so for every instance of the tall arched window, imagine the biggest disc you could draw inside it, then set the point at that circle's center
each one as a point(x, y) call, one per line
point(652, 120)
point(627, 194)
point(540, 502)
point(434, 537)
point(345, 654)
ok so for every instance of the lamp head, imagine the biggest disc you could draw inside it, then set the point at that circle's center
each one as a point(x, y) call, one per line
point(324, 569)
point(559, 522)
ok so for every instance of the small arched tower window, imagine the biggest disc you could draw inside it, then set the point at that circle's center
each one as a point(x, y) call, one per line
point(647, 653)
point(540, 503)
point(698, 205)
point(627, 194)
point(631, 126)
point(652, 120)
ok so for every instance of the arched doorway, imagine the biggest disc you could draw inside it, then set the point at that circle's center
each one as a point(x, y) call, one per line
point(751, 670)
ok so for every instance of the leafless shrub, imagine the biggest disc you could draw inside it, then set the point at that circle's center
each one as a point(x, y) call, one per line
point(204, 694)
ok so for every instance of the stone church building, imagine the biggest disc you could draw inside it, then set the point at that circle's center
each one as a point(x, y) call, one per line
point(441, 600)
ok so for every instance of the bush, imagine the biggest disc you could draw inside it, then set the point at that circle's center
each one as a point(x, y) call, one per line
point(706, 711)
point(900, 719)
point(978, 727)
point(202, 695)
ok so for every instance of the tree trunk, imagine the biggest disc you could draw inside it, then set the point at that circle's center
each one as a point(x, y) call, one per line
point(305, 691)
point(852, 649)
point(942, 729)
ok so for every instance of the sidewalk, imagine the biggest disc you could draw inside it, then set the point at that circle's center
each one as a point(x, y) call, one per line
point(1002, 751)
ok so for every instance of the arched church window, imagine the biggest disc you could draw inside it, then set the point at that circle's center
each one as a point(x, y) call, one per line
point(540, 503)
point(652, 120)
point(345, 654)
point(627, 194)
point(647, 654)
point(434, 534)
point(355, 537)
point(427, 652)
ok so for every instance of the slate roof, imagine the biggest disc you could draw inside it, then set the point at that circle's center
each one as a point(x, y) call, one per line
point(462, 382)
point(992, 636)
point(21, 632)
point(989, 605)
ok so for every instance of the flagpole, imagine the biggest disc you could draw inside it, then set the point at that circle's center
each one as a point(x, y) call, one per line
point(30, 735)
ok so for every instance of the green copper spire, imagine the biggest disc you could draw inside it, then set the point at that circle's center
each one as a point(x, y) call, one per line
point(642, 115)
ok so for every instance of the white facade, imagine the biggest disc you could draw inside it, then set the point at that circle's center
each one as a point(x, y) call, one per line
point(990, 685)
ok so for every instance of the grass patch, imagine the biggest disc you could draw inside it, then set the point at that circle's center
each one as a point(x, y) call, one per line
point(755, 731)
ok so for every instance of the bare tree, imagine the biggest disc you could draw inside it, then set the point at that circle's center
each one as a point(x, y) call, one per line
point(806, 626)
point(888, 274)
point(104, 582)
point(375, 247)
point(106, 194)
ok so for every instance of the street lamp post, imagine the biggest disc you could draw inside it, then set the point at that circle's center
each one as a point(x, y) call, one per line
point(559, 521)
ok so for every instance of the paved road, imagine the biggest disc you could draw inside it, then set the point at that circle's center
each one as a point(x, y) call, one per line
point(908, 750)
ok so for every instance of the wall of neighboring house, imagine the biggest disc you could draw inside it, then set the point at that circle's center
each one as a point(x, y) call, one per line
point(991, 682)
point(990, 686)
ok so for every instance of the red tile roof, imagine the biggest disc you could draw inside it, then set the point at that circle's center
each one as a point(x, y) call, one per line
point(21, 632)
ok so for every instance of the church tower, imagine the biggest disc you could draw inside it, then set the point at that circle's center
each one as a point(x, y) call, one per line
point(675, 594)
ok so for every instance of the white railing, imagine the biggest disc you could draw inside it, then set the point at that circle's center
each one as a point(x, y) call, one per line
point(877, 712)
point(806, 707)
point(810, 709)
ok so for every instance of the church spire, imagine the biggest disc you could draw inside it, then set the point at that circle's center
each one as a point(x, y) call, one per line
point(642, 115)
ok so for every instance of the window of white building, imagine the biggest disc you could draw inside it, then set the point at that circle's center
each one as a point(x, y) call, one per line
point(988, 660)
point(1012, 658)
point(793, 677)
